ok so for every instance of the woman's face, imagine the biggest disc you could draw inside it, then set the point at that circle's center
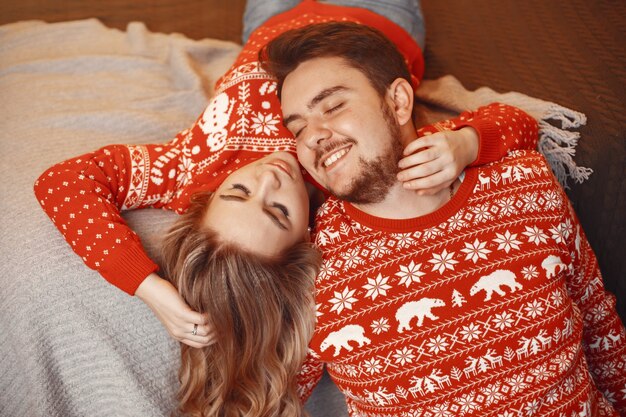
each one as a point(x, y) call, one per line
point(262, 207)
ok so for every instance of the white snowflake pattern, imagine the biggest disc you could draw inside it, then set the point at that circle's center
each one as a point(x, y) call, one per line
point(326, 271)
point(467, 403)
point(470, 332)
point(475, 251)
point(185, 168)
point(377, 286)
point(352, 257)
point(507, 206)
point(534, 308)
point(492, 393)
point(265, 124)
point(378, 248)
point(457, 221)
point(553, 200)
point(517, 383)
point(558, 233)
point(562, 361)
point(529, 272)
point(432, 232)
point(437, 344)
point(404, 355)
point(552, 396)
point(503, 320)
point(380, 326)
point(507, 241)
point(482, 213)
point(373, 366)
point(443, 261)
point(541, 372)
point(557, 298)
point(530, 202)
point(441, 410)
point(405, 240)
point(343, 300)
point(598, 313)
point(410, 273)
point(535, 235)
point(569, 385)
point(531, 408)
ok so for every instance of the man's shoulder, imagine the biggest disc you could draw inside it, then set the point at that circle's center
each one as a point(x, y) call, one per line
point(519, 168)
point(522, 157)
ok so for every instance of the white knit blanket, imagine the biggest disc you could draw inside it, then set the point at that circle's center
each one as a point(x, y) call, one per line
point(71, 344)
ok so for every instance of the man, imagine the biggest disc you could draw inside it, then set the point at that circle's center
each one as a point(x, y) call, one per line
point(481, 299)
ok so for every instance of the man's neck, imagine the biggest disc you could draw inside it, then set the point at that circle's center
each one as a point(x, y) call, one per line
point(401, 203)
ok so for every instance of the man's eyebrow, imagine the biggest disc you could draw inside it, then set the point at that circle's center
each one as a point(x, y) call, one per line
point(275, 220)
point(314, 101)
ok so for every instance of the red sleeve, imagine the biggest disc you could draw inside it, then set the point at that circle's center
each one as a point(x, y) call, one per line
point(501, 128)
point(84, 196)
point(309, 376)
point(604, 337)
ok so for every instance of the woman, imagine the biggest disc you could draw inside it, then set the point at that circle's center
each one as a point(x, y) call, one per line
point(261, 304)
point(239, 257)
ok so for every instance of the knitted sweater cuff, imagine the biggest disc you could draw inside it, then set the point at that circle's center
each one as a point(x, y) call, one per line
point(489, 148)
point(130, 268)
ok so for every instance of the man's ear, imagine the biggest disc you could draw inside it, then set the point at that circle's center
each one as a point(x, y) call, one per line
point(400, 95)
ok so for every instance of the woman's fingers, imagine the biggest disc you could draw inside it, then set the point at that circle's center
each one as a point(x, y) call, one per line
point(420, 143)
point(431, 184)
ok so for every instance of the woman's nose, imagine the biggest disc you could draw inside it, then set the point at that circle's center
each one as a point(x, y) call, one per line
point(268, 180)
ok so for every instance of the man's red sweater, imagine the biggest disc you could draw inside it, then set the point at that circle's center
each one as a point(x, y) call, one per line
point(493, 305)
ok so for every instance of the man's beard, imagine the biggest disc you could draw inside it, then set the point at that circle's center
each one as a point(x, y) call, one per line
point(376, 176)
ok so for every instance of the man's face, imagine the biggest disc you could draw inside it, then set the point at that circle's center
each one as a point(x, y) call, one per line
point(346, 135)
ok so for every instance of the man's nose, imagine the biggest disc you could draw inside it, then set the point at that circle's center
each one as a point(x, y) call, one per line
point(317, 133)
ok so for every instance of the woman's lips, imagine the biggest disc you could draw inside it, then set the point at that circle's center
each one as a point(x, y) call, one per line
point(282, 165)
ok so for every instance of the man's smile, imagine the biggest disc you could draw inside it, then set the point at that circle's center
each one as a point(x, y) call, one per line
point(331, 159)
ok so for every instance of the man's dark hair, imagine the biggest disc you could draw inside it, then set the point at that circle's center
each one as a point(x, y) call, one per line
point(363, 47)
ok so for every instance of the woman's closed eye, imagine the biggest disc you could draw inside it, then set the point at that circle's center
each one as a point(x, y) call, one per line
point(282, 209)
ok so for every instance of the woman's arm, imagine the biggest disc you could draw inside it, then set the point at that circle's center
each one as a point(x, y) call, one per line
point(84, 198)
point(434, 160)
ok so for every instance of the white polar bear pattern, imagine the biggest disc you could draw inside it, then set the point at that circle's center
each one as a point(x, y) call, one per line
point(420, 309)
point(214, 121)
point(342, 337)
point(550, 265)
point(491, 283)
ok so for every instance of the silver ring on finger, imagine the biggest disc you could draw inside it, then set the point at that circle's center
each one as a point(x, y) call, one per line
point(195, 329)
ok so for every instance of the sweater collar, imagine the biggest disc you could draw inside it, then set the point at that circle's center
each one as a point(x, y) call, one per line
point(429, 220)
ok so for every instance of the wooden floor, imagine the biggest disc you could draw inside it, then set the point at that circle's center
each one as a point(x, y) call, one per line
point(197, 18)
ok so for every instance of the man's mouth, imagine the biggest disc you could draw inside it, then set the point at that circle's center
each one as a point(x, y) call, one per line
point(335, 156)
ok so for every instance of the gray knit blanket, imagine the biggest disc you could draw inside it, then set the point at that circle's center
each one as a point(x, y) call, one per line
point(70, 343)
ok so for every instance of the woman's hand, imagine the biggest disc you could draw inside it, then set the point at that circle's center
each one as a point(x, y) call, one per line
point(170, 308)
point(431, 163)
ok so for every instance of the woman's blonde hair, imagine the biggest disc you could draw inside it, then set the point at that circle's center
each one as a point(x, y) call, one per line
point(262, 314)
